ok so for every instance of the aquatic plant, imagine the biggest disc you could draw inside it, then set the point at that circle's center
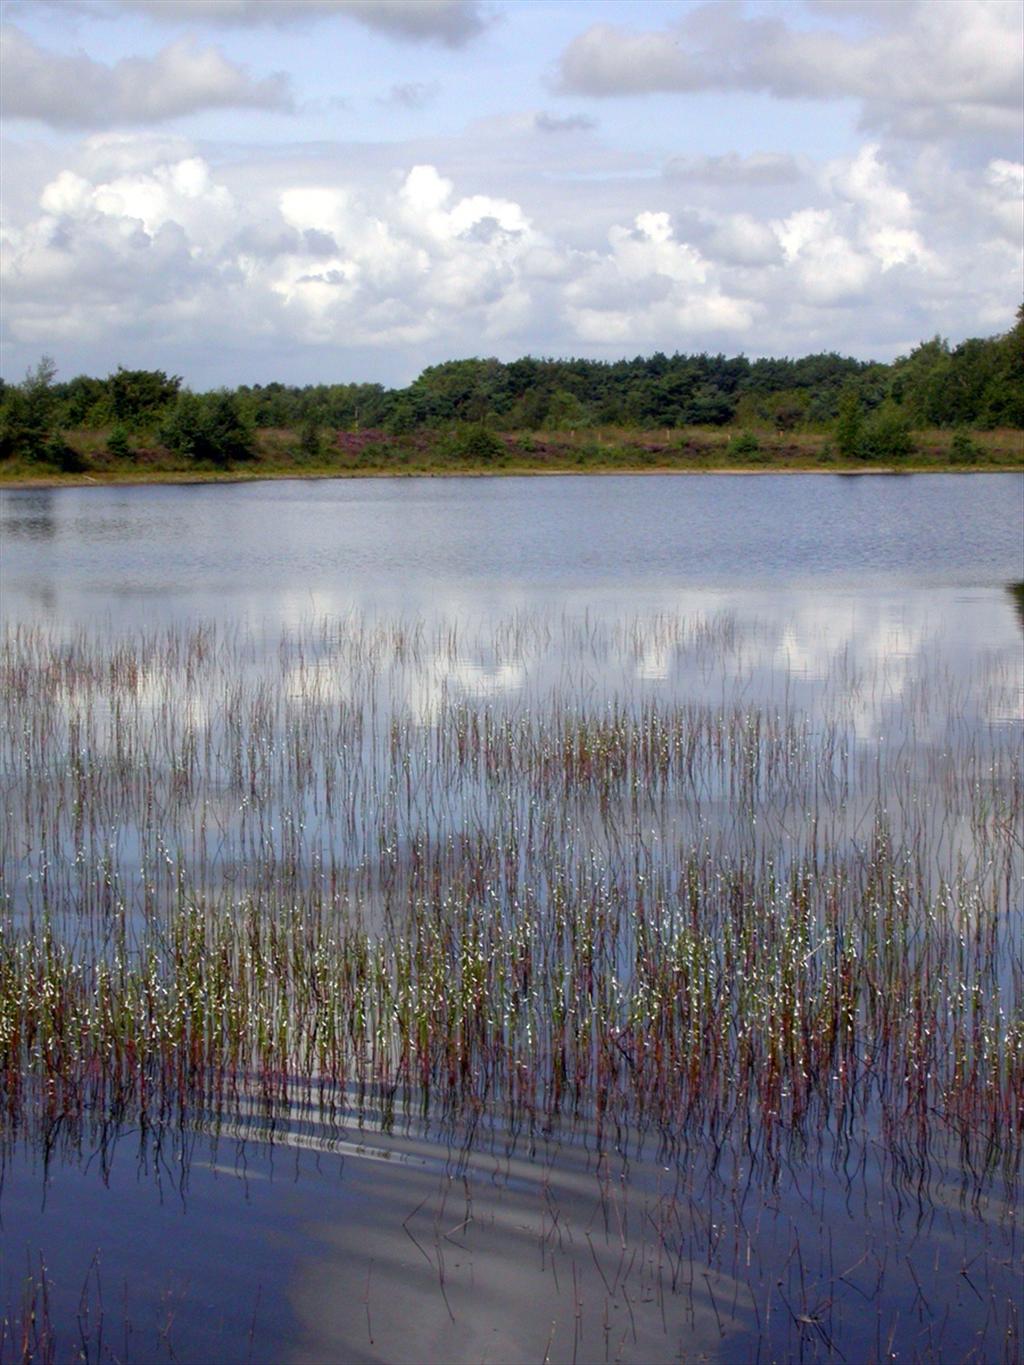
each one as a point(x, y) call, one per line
point(224, 860)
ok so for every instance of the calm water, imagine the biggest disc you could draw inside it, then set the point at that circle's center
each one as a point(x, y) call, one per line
point(888, 609)
point(276, 551)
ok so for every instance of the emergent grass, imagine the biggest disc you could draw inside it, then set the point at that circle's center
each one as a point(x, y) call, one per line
point(319, 866)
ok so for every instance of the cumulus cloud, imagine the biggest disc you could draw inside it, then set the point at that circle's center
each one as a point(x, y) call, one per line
point(77, 91)
point(921, 70)
point(142, 243)
point(452, 22)
point(886, 215)
point(742, 239)
point(650, 284)
point(1004, 198)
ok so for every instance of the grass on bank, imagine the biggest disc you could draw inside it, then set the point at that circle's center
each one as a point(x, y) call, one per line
point(100, 456)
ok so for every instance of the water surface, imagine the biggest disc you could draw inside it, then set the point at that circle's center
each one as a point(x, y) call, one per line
point(844, 648)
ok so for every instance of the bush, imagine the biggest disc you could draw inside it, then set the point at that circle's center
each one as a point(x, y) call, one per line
point(58, 453)
point(310, 444)
point(472, 441)
point(886, 435)
point(211, 428)
point(744, 444)
point(849, 425)
point(963, 449)
point(118, 444)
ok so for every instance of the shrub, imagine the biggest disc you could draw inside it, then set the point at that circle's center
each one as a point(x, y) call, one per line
point(849, 425)
point(58, 453)
point(310, 444)
point(473, 441)
point(210, 428)
point(227, 435)
point(118, 444)
point(963, 449)
point(886, 435)
point(745, 443)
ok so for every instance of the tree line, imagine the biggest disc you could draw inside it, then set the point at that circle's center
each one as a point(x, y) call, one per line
point(870, 406)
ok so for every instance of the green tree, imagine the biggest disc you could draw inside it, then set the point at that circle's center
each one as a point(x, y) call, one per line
point(139, 396)
point(886, 435)
point(28, 422)
point(227, 434)
point(310, 444)
point(118, 444)
point(212, 428)
point(1002, 402)
point(85, 402)
point(849, 424)
point(566, 412)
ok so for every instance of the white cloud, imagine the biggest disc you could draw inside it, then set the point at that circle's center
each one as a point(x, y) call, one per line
point(140, 243)
point(923, 69)
point(651, 285)
point(825, 264)
point(740, 239)
point(452, 22)
point(76, 91)
point(1004, 198)
point(886, 216)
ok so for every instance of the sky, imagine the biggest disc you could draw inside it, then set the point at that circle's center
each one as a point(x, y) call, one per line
point(237, 191)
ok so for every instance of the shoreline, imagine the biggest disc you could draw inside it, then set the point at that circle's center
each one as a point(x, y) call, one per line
point(118, 479)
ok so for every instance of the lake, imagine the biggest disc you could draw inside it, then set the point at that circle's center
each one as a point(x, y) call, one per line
point(521, 918)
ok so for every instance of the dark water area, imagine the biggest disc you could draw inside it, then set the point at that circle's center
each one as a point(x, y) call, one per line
point(683, 816)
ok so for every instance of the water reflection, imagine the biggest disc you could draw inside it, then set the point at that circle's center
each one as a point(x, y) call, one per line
point(1016, 591)
point(277, 553)
point(31, 515)
point(728, 721)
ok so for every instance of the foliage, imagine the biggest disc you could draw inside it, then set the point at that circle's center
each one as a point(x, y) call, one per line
point(963, 449)
point(849, 424)
point(62, 456)
point(211, 428)
point(566, 412)
point(744, 444)
point(886, 435)
point(137, 396)
point(310, 444)
point(978, 384)
point(28, 423)
point(118, 444)
point(473, 441)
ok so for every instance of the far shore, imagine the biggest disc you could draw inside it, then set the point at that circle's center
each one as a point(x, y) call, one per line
point(120, 479)
point(277, 453)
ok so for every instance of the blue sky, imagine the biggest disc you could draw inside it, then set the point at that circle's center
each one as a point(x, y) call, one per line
point(240, 190)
